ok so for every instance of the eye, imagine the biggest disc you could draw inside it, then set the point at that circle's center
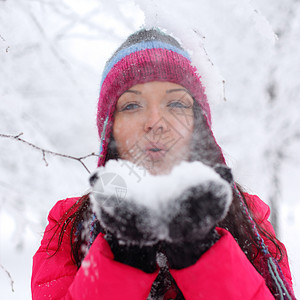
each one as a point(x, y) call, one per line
point(130, 106)
point(179, 104)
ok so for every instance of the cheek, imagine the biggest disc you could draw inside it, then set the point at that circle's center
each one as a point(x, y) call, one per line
point(185, 119)
point(183, 126)
point(125, 132)
point(186, 139)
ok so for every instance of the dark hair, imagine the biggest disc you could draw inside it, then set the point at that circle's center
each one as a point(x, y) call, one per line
point(209, 153)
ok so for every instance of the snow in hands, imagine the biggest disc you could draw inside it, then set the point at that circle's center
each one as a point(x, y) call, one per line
point(191, 199)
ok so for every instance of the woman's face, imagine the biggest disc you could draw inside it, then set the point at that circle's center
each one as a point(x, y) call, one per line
point(153, 125)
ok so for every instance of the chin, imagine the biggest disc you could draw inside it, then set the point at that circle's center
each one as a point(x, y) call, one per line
point(162, 168)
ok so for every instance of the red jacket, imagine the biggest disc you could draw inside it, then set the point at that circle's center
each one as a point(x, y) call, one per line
point(223, 272)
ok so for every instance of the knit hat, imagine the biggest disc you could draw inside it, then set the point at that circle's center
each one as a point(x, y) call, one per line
point(147, 55)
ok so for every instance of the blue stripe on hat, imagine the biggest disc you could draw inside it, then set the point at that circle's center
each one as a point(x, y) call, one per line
point(138, 47)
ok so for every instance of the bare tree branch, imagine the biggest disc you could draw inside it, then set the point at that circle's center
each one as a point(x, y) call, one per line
point(4, 40)
point(44, 151)
point(61, 62)
point(9, 276)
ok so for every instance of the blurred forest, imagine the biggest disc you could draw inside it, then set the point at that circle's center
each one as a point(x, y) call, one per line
point(52, 53)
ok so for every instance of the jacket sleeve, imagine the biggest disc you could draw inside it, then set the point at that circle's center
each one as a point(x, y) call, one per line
point(223, 272)
point(261, 213)
point(55, 275)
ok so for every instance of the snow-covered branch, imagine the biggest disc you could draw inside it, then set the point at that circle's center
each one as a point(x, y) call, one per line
point(44, 151)
point(9, 276)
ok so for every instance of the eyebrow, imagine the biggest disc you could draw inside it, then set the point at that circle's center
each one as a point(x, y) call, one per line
point(167, 91)
point(178, 90)
point(133, 91)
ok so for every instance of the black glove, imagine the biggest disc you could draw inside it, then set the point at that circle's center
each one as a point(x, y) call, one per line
point(129, 229)
point(133, 230)
point(192, 228)
point(137, 256)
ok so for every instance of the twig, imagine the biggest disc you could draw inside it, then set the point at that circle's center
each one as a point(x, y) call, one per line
point(203, 47)
point(209, 59)
point(10, 278)
point(4, 40)
point(44, 151)
point(223, 82)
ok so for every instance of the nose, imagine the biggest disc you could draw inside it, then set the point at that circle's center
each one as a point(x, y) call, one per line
point(154, 120)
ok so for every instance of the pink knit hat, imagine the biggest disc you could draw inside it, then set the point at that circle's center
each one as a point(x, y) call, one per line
point(147, 55)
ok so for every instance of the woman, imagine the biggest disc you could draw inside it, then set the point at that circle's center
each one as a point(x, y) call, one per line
point(153, 112)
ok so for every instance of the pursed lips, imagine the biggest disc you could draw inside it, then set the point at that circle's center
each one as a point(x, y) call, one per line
point(155, 147)
point(156, 151)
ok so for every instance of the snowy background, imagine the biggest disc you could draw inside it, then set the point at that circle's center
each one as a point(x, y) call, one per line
point(51, 57)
